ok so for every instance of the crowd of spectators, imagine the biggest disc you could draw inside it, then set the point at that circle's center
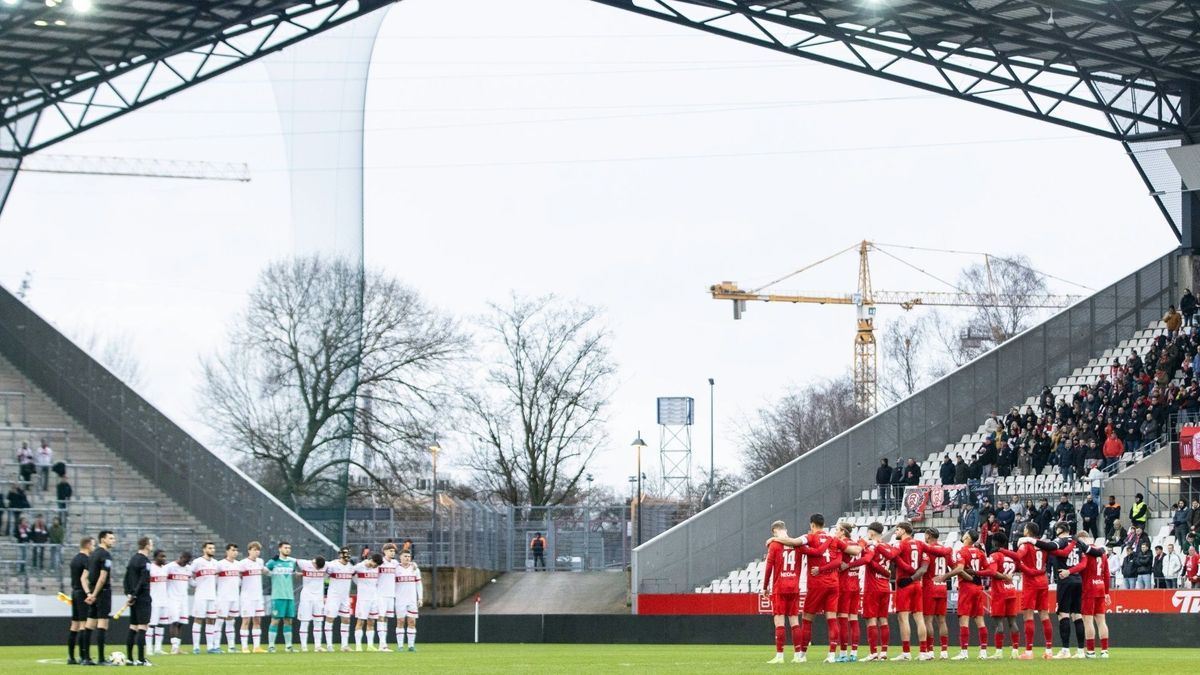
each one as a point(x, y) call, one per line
point(39, 538)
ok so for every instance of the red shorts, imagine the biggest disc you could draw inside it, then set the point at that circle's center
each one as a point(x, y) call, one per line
point(1093, 606)
point(1037, 599)
point(908, 599)
point(785, 604)
point(970, 599)
point(934, 606)
point(848, 601)
point(821, 599)
point(875, 604)
point(1005, 605)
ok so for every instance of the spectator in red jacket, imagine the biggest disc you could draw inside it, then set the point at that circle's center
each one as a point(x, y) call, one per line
point(1113, 449)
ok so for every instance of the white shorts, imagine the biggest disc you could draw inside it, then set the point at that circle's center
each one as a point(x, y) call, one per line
point(252, 605)
point(178, 609)
point(335, 606)
point(204, 609)
point(161, 613)
point(387, 606)
point(366, 608)
point(310, 607)
point(406, 608)
point(227, 608)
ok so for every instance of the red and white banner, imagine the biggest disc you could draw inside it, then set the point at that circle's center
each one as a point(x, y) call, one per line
point(1189, 449)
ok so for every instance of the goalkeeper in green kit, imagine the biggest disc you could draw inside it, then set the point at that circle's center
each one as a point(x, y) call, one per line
point(282, 569)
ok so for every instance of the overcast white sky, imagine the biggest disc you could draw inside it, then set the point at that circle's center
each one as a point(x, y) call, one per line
point(566, 147)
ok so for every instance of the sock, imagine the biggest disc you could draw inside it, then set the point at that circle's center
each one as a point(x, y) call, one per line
point(945, 640)
point(843, 632)
point(1013, 639)
point(1091, 645)
point(85, 644)
point(101, 634)
point(72, 639)
point(345, 632)
point(854, 635)
point(779, 639)
point(272, 633)
point(304, 635)
point(999, 640)
point(983, 638)
point(832, 624)
point(872, 637)
point(358, 636)
point(412, 637)
point(1047, 633)
point(195, 634)
point(400, 633)
point(231, 633)
point(216, 626)
point(286, 629)
point(256, 636)
point(370, 636)
point(329, 634)
point(1064, 632)
point(805, 634)
point(797, 633)
point(1104, 644)
point(244, 635)
point(1079, 636)
point(964, 637)
point(905, 646)
point(926, 645)
point(130, 640)
point(381, 633)
point(318, 631)
point(141, 645)
point(885, 637)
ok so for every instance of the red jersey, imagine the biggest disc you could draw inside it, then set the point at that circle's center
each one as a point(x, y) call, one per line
point(935, 556)
point(851, 577)
point(782, 575)
point(879, 567)
point(824, 554)
point(1004, 565)
point(975, 562)
point(1191, 566)
point(1093, 570)
point(908, 557)
point(1032, 563)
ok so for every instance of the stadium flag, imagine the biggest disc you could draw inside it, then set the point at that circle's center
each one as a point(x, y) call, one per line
point(920, 500)
point(1187, 454)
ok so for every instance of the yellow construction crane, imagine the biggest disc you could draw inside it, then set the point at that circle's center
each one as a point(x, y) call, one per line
point(865, 300)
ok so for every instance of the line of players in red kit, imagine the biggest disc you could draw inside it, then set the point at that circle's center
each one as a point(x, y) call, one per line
point(845, 575)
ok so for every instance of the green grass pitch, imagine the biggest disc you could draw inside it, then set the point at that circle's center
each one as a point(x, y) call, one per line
point(511, 658)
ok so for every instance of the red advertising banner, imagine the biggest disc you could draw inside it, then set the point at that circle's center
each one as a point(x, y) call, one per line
point(1123, 602)
point(1188, 457)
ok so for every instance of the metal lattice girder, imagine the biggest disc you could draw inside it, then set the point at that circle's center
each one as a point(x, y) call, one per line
point(1109, 67)
point(59, 80)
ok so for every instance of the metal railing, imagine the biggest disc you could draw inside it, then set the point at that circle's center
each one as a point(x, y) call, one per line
point(11, 401)
point(59, 440)
point(211, 489)
point(93, 481)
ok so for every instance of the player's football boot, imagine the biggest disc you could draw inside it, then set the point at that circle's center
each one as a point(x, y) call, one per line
point(259, 650)
point(358, 648)
point(778, 658)
point(216, 650)
point(146, 663)
point(1089, 655)
point(385, 648)
point(832, 658)
point(195, 650)
point(271, 649)
point(412, 649)
point(1079, 655)
point(1104, 654)
point(961, 656)
point(904, 656)
point(1063, 653)
point(1048, 655)
point(983, 655)
point(945, 655)
point(799, 657)
point(925, 656)
point(852, 657)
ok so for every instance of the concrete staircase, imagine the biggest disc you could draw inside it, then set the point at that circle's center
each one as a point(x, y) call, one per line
point(108, 493)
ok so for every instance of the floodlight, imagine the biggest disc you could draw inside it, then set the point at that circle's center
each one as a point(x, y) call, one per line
point(82, 5)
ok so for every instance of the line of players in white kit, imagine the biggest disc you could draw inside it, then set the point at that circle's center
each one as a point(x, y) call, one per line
point(231, 589)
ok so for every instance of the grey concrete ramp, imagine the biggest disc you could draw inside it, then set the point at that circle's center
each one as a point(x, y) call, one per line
point(551, 593)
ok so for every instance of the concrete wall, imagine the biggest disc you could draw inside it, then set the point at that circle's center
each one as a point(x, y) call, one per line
point(731, 532)
point(455, 584)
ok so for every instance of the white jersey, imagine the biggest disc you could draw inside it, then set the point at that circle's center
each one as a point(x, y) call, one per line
point(367, 580)
point(387, 578)
point(178, 577)
point(229, 579)
point(158, 584)
point(340, 575)
point(312, 579)
point(204, 571)
point(408, 585)
point(252, 576)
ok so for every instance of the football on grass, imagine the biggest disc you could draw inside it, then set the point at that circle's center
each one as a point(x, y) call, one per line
point(118, 659)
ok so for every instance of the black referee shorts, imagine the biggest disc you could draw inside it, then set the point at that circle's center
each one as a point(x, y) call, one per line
point(1070, 596)
point(102, 608)
point(139, 613)
point(79, 608)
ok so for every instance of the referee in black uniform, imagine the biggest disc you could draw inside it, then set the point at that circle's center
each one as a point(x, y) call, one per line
point(137, 598)
point(99, 597)
point(79, 607)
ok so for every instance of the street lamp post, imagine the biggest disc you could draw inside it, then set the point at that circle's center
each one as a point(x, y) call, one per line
point(711, 446)
point(587, 526)
point(434, 450)
point(638, 444)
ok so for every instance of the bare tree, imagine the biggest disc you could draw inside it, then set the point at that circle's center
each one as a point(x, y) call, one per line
point(800, 421)
point(906, 367)
point(332, 367)
point(114, 351)
point(1004, 289)
point(539, 415)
